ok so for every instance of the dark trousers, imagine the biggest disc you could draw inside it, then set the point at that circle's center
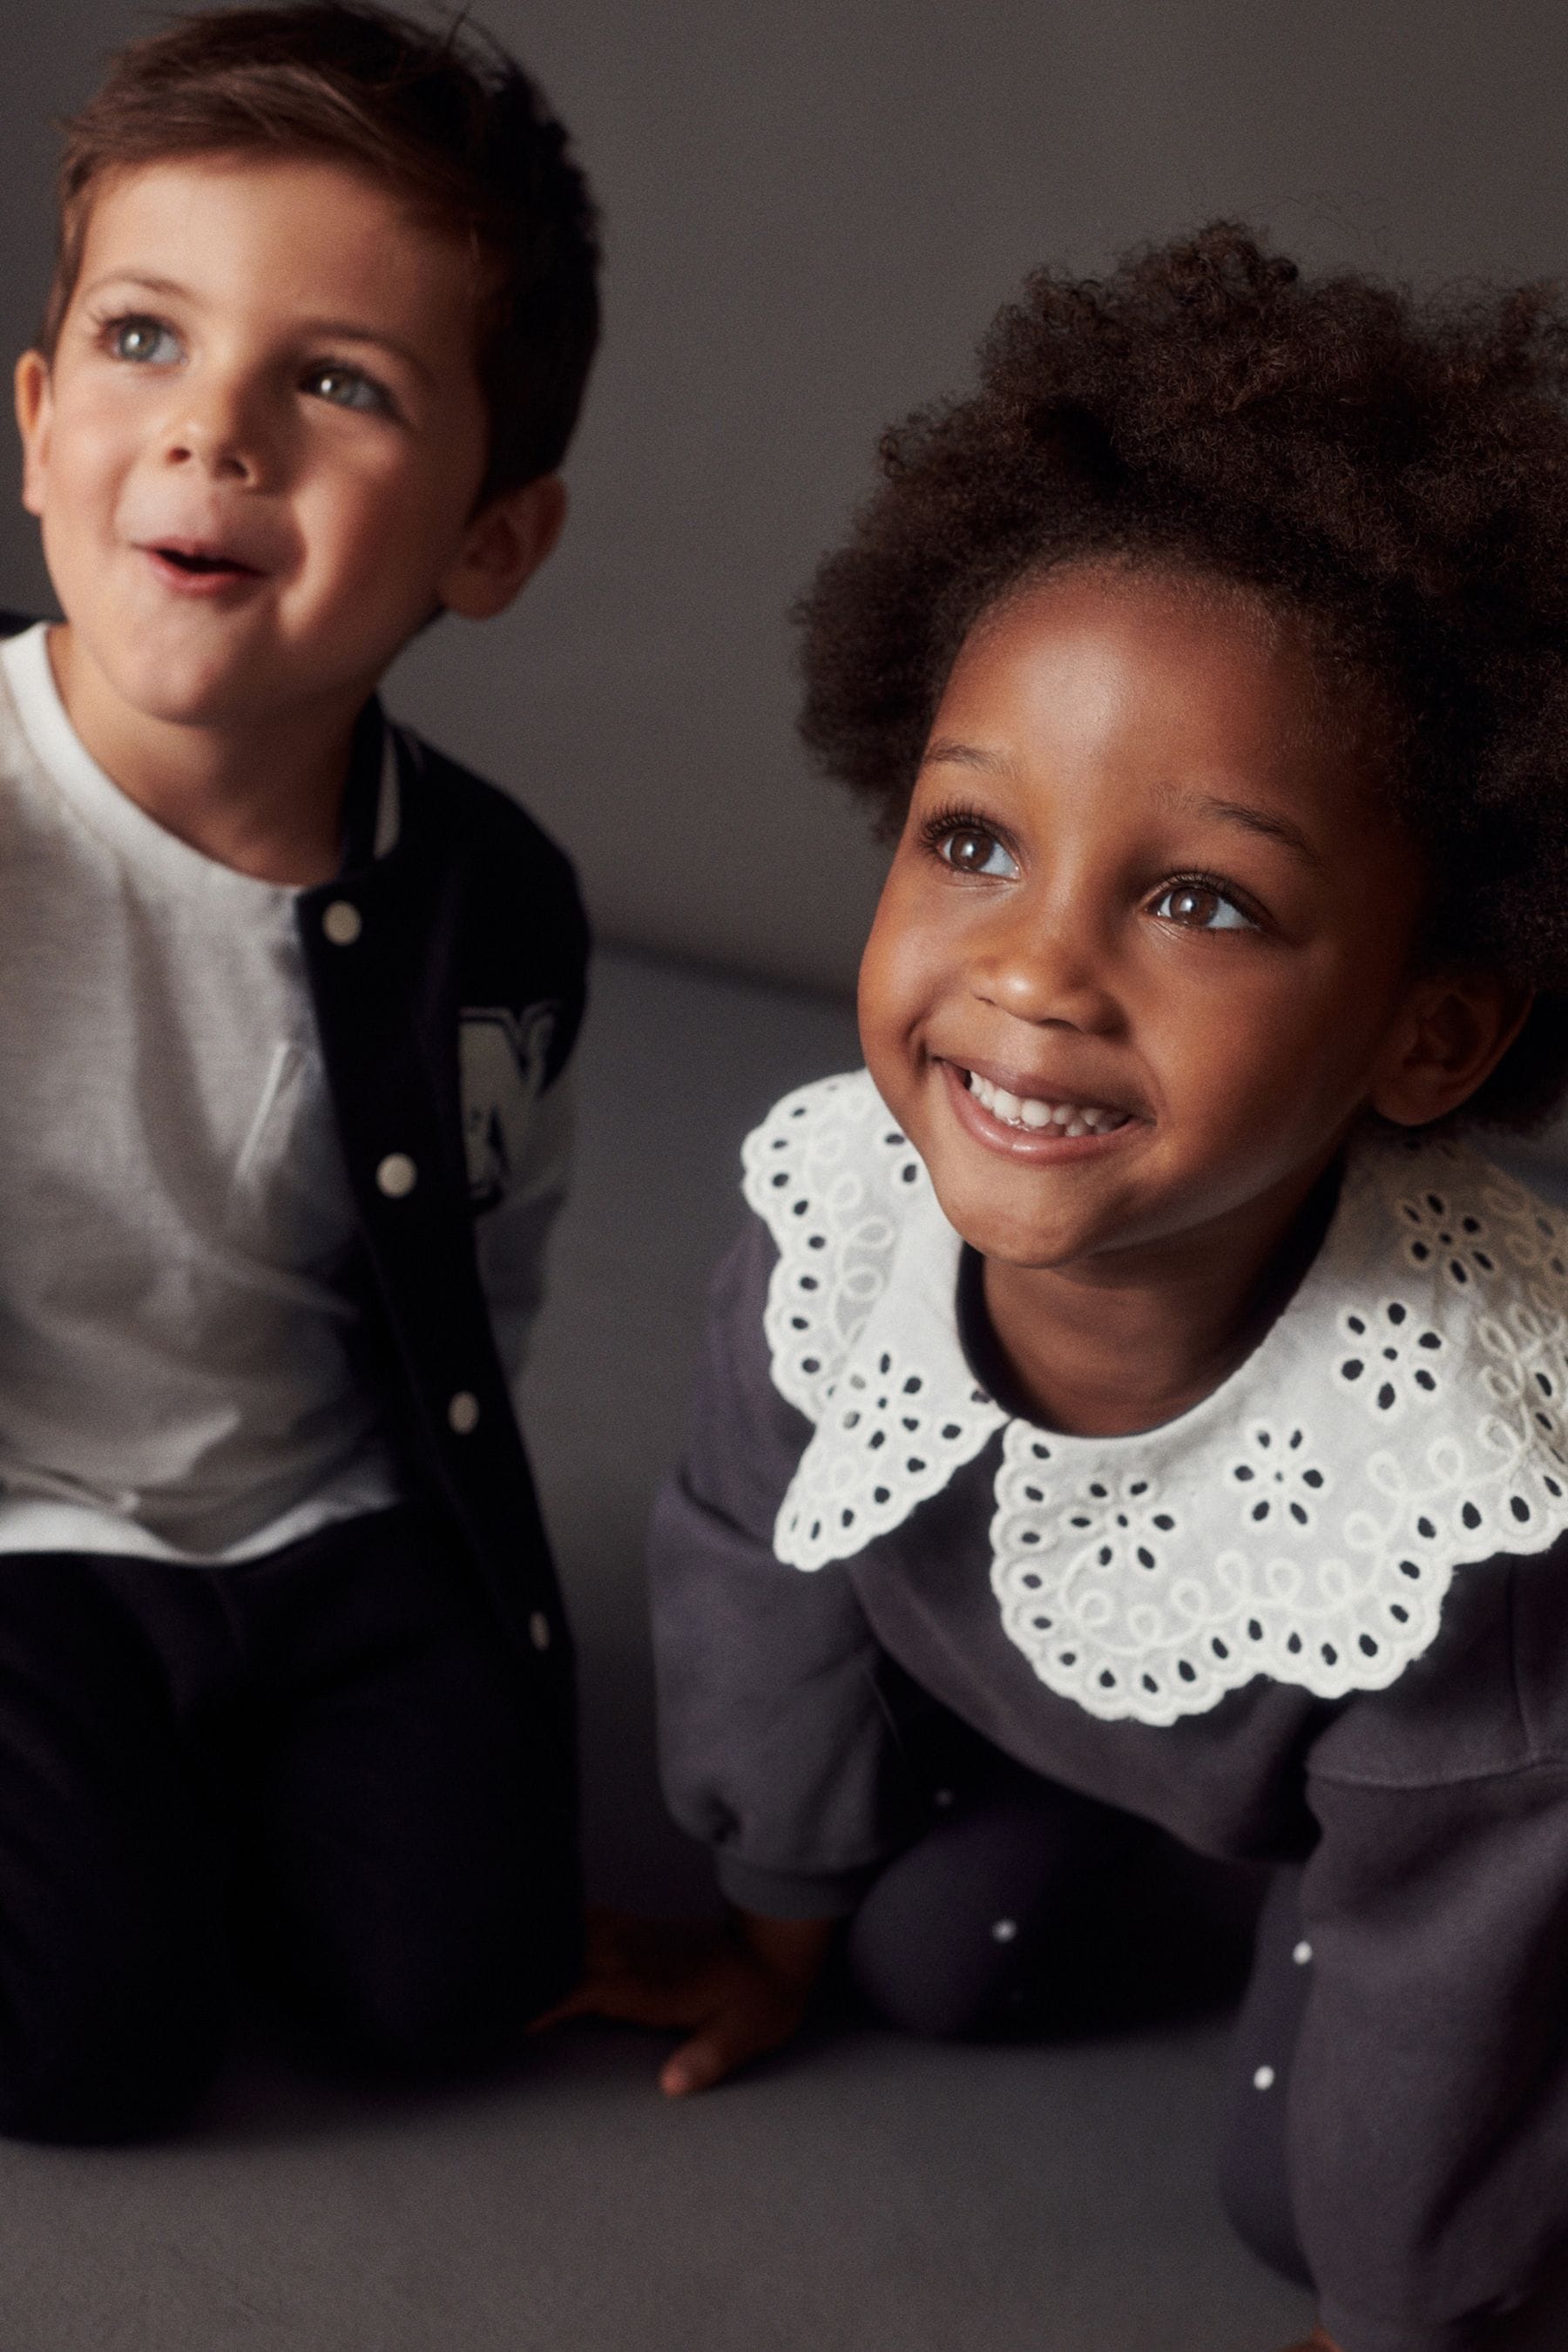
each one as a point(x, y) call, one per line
point(1024, 1909)
point(321, 1766)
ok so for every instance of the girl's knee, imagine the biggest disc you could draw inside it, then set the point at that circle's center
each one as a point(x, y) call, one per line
point(958, 1935)
point(951, 1980)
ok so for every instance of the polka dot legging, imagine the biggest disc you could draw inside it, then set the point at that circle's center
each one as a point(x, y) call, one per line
point(1025, 1910)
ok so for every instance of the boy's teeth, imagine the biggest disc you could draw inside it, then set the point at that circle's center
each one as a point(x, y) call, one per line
point(1028, 1110)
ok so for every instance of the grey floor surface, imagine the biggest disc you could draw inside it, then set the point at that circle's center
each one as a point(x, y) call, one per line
point(861, 2193)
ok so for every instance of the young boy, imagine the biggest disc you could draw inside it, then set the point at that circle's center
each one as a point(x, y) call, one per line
point(284, 998)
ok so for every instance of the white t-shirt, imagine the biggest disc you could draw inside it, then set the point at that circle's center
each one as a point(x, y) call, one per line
point(176, 1373)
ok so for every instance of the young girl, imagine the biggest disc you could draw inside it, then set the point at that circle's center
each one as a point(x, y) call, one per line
point(1138, 1398)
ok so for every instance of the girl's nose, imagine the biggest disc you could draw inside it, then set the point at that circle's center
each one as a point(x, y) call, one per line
point(1044, 967)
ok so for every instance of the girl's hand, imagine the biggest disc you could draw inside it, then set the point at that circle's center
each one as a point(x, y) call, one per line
point(1319, 2341)
point(744, 1988)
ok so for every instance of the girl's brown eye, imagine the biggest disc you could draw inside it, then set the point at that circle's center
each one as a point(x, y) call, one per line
point(1198, 908)
point(970, 851)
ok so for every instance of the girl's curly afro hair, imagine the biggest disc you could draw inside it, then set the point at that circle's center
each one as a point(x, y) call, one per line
point(1396, 472)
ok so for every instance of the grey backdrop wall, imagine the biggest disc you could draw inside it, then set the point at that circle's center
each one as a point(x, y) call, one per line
point(813, 207)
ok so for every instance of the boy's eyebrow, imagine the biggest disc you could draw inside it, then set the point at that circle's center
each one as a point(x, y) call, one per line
point(351, 331)
point(147, 279)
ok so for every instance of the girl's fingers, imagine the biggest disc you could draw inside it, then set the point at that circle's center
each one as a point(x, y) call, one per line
point(698, 2064)
point(730, 2040)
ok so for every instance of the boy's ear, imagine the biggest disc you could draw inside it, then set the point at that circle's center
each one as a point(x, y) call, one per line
point(35, 406)
point(504, 545)
point(1455, 1029)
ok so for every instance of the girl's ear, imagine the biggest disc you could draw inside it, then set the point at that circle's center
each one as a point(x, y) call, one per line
point(503, 547)
point(1453, 1029)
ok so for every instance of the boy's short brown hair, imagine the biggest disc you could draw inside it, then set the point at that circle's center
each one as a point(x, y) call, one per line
point(453, 125)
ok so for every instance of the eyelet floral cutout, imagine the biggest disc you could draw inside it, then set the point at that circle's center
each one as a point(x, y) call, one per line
point(843, 1194)
point(885, 1449)
point(1440, 1233)
point(823, 1185)
point(1406, 1415)
point(1278, 1476)
point(1390, 1358)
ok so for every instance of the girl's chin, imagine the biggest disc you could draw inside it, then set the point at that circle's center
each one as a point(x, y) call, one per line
point(1031, 1237)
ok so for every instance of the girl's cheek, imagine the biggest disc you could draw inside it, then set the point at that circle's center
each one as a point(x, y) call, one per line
point(890, 960)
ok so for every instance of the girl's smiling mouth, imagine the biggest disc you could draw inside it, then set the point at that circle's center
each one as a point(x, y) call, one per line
point(1032, 1125)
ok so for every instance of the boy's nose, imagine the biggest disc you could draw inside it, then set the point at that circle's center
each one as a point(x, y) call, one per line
point(215, 428)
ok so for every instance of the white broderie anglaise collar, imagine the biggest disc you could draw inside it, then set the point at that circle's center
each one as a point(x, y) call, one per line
point(1404, 1416)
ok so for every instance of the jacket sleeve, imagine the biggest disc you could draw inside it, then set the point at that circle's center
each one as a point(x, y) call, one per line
point(775, 1734)
point(1428, 2090)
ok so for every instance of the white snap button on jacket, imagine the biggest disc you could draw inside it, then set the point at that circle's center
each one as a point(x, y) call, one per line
point(538, 1630)
point(1003, 1930)
point(1301, 1955)
point(342, 923)
point(463, 1413)
point(397, 1175)
point(1264, 2079)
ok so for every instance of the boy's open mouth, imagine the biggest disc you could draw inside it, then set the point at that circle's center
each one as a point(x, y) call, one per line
point(205, 566)
point(1027, 1111)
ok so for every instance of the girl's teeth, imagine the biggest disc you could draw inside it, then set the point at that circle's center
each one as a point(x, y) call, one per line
point(1028, 1110)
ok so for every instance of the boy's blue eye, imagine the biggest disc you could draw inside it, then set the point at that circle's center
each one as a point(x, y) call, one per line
point(1198, 906)
point(145, 339)
point(969, 849)
point(345, 387)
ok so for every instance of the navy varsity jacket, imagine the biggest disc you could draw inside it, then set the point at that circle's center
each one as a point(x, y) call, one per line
point(446, 962)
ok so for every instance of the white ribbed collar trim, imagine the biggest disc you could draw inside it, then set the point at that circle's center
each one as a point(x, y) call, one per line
point(1403, 1417)
point(28, 672)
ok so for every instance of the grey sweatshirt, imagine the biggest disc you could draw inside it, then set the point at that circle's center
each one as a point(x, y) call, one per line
point(1428, 2118)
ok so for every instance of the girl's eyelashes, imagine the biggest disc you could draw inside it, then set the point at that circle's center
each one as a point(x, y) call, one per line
point(348, 387)
point(141, 340)
point(968, 843)
point(1199, 903)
